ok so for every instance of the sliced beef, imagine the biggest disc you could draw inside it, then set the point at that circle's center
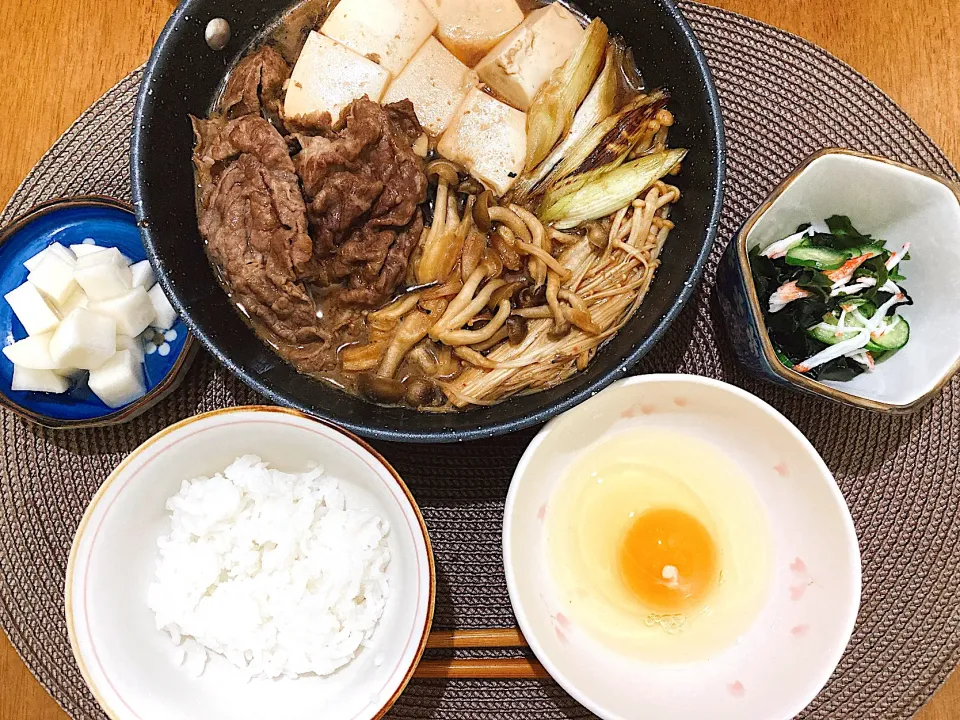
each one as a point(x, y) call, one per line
point(253, 217)
point(364, 184)
point(256, 84)
point(345, 250)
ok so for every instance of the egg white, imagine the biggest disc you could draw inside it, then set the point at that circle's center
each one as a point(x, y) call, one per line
point(595, 503)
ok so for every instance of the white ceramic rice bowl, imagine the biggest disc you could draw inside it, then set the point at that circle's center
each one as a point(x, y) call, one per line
point(129, 665)
point(788, 653)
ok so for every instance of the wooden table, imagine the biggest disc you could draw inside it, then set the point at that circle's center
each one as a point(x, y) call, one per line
point(58, 56)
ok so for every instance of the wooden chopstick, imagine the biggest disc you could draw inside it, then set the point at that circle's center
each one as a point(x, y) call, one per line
point(488, 638)
point(482, 669)
point(479, 668)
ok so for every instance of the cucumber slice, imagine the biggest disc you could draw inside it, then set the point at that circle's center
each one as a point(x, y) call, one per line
point(866, 308)
point(828, 336)
point(895, 336)
point(820, 258)
point(874, 248)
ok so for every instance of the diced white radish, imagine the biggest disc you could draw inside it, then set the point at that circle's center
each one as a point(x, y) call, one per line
point(78, 298)
point(142, 275)
point(51, 249)
point(166, 315)
point(133, 344)
point(133, 311)
point(119, 380)
point(82, 249)
point(32, 352)
point(32, 309)
point(68, 372)
point(31, 379)
point(54, 277)
point(84, 340)
point(108, 255)
point(103, 275)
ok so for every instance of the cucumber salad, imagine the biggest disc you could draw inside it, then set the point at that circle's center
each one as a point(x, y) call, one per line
point(831, 299)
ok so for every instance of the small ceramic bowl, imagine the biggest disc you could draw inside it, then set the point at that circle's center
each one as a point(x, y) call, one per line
point(129, 665)
point(70, 221)
point(890, 201)
point(780, 663)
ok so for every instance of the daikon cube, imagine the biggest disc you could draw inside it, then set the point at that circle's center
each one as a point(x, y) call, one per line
point(68, 372)
point(469, 28)
point(436, 83)
point(32, 352)
point(133, 344)
point(133, 311)
point(32, 309)
point(524, 60)
point(489, 138)
point(54, 277)
point(119, 380)
point(78, 298)
point(84, 340)
point(103, 275)
point(51, 249)
point(141, 274)
point(85, 248)
point(329, 76)
point(31, 379)
point(166, 316)
point(388, 32)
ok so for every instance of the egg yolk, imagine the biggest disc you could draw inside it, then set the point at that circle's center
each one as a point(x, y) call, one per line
point(668, 560)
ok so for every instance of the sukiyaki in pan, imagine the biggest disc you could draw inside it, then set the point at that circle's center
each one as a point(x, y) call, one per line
point(437, 204)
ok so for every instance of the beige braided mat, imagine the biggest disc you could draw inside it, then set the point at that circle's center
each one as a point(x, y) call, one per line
point(782, 99)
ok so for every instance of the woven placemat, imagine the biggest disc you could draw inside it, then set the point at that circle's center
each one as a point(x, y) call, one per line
point(782, 99)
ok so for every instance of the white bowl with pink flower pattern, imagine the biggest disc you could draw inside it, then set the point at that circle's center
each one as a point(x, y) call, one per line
point(787, 654)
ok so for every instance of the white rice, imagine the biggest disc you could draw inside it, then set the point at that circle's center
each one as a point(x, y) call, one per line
point(271, 571)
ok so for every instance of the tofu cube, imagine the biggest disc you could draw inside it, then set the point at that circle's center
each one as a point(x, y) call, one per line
point(436, 83)
point(329, 76)
point(166, 316)
point(388, 32)
point(103, 275)
point(133, 311)
point(51, 249)
point(84, 340)
point(78, 298)
point(32, 352)
point(32, 309)
point(141, 275)
point(53, 276)
point(524, 60)
point(489, 138)
point(31, 379)
point(119, 380)
point(469, 29)
point(133, 344)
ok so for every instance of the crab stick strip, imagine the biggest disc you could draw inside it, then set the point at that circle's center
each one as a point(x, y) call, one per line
point(786, 294)
point(896, 257)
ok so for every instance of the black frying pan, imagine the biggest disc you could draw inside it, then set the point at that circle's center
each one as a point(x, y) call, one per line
point(183, 75)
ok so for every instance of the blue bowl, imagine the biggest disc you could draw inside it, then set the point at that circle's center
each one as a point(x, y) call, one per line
point(69, 222)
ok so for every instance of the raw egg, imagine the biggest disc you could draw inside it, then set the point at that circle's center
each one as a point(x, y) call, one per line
point(658, 545)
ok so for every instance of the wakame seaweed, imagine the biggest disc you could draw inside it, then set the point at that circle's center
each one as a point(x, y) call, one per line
point(790, 328)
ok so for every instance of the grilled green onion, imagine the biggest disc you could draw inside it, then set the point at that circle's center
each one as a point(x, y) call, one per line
point(551, 113)
point(611, 191)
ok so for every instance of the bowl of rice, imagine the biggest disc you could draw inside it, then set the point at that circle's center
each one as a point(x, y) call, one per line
point(250, 563)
